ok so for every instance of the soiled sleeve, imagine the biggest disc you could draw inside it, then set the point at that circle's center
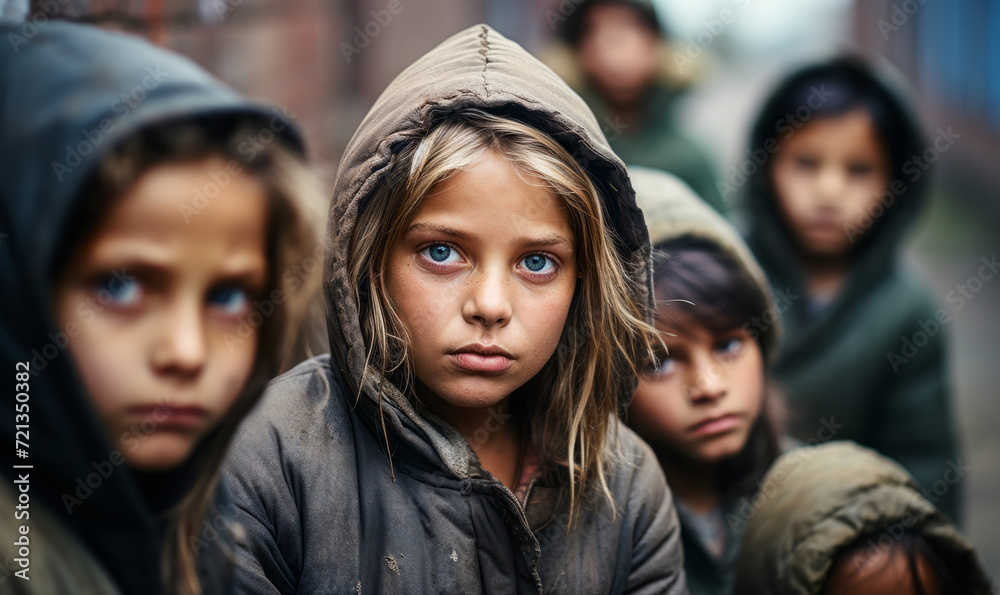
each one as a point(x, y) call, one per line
point(657, 560)
point(268, 554)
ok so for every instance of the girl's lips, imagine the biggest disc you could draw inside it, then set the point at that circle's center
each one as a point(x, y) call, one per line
point(171, 417)
point(477, 362)
point(715, 425)
point(825, 225)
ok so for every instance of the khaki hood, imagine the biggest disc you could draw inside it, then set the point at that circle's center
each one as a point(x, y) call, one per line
point(816, 501)
point(672, 210)
point(475, 68)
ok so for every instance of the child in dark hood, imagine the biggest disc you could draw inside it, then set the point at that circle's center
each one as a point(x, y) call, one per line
point(864, 352)
point(708, 409)
point(149, 217)
point(839, 519)
point(487, 278)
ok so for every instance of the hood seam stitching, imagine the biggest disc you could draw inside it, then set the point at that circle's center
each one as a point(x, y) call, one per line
point(484, 47)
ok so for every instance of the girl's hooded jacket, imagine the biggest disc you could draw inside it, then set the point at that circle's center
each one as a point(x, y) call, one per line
point(71, 93)
point(817, 501)
point(870, 366)
point(323, 510)
point(673, 211)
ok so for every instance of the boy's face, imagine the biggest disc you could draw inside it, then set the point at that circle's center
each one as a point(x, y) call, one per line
point(705, 397)
point(482, 279)
point(828, 178)
point(159, 303)
point(618, 52)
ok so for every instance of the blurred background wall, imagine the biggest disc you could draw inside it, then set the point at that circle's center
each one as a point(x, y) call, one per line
point(326, 62)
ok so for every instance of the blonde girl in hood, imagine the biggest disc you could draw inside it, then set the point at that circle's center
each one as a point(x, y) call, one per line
point(487, 280)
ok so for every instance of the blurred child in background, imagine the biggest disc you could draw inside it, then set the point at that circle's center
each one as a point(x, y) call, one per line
point(149, 215)
point(708, 409)
point(633, 84)
point(839, 519)
point(864, 353)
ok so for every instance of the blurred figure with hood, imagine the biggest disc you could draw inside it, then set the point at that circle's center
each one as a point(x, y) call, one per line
point(839, 519)
point(148, 215)
point(621, 67)
point(864, 353)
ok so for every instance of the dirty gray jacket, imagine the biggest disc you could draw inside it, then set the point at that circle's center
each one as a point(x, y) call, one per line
point(322, 509)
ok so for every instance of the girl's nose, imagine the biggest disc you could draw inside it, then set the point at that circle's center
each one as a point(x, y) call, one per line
point(707, 379)
point(180, 347)
point(488, 302)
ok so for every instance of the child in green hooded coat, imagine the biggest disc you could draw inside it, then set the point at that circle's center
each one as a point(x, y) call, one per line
point(708, 407)
point(864, 355)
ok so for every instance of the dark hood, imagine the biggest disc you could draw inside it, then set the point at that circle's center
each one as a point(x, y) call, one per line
point(72, 93)
point(476, 68)
point(876, 251)
point(817, 501)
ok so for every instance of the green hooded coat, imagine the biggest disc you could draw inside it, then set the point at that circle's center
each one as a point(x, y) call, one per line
point(871, 365)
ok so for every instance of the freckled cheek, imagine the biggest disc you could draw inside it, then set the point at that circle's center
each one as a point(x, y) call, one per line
point(543, 320)
point(425, 308)
point(416, 299)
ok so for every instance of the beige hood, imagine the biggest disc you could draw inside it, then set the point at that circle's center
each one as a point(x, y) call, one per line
point(475, 68)
point(672, 210)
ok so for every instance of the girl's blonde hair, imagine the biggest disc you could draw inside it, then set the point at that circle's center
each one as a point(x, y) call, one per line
point(294, 226)
point(606, 340)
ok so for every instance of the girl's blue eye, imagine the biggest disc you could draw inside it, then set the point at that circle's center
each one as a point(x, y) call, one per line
point(537, 263)
point(730, 346)
point(123, 292)
point(229, 298)
point(440, 253)
point(665, 367)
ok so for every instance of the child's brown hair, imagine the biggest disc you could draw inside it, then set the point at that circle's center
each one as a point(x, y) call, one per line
point(689, 270)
